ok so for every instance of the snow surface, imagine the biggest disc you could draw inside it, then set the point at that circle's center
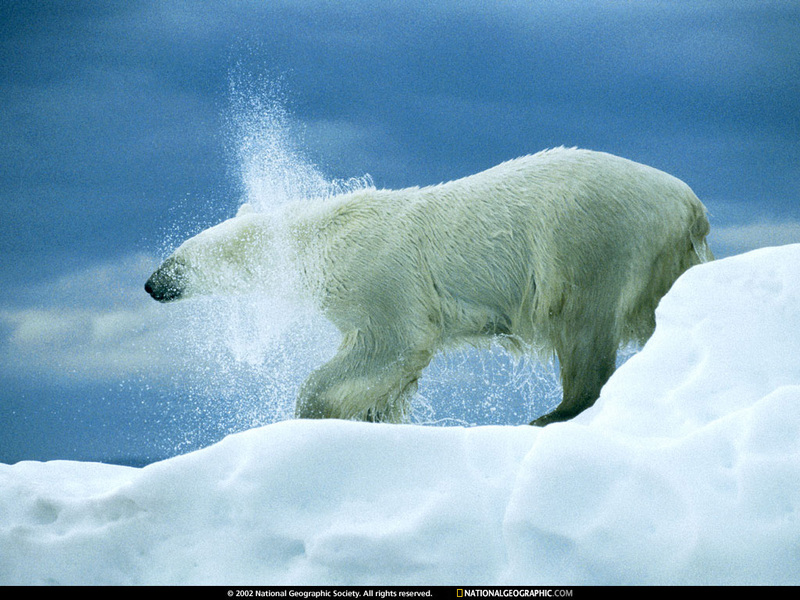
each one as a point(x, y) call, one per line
point(686, 471)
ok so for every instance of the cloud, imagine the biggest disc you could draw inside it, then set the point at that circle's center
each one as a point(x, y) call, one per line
point(93, 325)
point(728, 240)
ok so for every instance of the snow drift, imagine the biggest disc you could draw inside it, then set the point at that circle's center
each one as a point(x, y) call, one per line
point(686, 471)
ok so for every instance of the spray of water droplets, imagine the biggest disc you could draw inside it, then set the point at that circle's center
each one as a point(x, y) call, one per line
point(239, 360)
point(266, 141)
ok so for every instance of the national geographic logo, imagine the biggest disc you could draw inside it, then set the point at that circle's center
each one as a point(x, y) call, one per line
point(513, 593)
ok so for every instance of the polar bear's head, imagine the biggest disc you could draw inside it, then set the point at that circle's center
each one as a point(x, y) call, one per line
point(234, 256)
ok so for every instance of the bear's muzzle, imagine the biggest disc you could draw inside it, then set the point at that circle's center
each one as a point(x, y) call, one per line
point(167, 283)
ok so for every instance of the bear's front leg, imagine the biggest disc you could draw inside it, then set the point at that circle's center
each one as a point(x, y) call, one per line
point(364, 381)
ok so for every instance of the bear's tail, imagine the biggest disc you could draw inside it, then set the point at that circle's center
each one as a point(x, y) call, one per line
point(698, 233)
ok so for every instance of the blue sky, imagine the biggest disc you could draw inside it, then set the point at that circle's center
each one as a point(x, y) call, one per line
point(119, 136)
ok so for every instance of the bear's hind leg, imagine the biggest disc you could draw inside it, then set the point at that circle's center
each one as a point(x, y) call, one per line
point(364, 381)
point(585, 368)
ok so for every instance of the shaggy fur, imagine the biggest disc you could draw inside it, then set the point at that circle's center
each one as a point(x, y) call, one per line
point(566, 251)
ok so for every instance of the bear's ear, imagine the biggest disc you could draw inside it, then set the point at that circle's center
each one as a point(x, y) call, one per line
point(245, 209)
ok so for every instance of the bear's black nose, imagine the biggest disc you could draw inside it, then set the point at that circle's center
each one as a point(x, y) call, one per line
point(162, 293)
point(165, 284)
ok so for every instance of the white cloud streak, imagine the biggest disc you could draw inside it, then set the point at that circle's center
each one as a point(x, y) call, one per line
point(92, 325)
point(736, 239)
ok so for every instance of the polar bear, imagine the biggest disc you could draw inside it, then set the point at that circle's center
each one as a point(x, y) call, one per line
point(566, 251)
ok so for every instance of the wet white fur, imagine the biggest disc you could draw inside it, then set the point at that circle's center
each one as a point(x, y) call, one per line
point(565, 251)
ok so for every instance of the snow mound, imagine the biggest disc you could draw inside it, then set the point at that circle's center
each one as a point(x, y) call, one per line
point(686, 471)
